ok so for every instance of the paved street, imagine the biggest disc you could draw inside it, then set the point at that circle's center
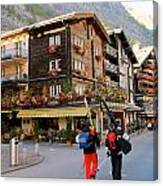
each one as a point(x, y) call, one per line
point(66, 162)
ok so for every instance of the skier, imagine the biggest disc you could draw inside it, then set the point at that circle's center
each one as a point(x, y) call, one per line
point(88, 140)
point(117, 143)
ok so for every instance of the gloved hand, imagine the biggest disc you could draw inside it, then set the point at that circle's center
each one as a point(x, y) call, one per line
point(108, 153)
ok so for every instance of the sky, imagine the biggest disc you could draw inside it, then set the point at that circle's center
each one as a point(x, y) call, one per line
point(142, 11)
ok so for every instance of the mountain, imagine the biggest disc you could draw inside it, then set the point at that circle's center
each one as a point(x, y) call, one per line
point(113, 14)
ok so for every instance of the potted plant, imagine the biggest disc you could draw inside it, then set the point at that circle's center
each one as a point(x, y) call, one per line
point(36, 132)
point(69, 133)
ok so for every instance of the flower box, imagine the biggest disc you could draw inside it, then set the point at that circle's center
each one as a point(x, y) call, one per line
point(52, 49)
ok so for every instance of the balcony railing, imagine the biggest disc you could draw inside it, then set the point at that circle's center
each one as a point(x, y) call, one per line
point(111, 67)
point(111, 51)
point(149, 71)
point(13, 53)
point(14, 77)
point(151, 78)
point(150, 66)
point(114, 84)
point(151, 90)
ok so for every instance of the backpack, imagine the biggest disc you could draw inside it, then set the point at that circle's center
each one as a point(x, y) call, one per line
point(83, 141)
point(112, 141)
point(125, 146)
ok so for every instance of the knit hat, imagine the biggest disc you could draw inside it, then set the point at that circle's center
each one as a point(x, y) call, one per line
point(86, 129)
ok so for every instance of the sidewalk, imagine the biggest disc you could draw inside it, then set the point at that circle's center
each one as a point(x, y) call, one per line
point(27, 158)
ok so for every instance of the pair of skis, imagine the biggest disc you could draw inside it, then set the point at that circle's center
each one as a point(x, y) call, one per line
point(109, 113)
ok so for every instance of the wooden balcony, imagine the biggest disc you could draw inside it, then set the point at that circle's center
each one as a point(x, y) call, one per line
point(150, 66)
point(114, 83)
point(11, 54)
point(150, 78)
point(151, 90)
point(111, 51)
point(111, 67)
point(14, 77)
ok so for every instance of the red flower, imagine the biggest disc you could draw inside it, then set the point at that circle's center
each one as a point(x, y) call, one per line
point(52, 49)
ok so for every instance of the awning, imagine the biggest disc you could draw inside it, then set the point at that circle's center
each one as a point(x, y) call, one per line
point(132, 107)
point(146, 114)
point(6, 111)
point(119, 107)
point(116, 107)
point(53, 112)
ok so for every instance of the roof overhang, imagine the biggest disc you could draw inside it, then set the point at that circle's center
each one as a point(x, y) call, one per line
point(118, 32)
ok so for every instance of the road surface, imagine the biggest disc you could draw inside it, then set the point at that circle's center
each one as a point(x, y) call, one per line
point(66, 162)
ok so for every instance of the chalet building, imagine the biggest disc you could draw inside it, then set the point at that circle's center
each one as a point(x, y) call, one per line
point(146, 82)
point(14, 64)
point(119, 68)
point(55, 63)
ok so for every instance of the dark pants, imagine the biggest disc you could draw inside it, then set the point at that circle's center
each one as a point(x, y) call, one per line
point(116, 166)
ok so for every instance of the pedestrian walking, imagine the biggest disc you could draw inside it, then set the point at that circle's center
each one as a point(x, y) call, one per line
point(50, 135)
point(88, 141)
point(116, 145)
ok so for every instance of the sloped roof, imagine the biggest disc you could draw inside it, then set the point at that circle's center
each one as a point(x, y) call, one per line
point(62, 18)
point(143, 53)
point(58, 19)
point(129, 51)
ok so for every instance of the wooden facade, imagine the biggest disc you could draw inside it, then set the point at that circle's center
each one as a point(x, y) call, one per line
point(79, 54)
point(72, 56)
point(146, 82)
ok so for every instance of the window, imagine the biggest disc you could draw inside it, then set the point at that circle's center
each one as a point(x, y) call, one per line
point(75, 65)
point(97, 51)
point(3, 72)
point(79, 89)
point(55, 40)
point(78, 65)
point(18, 48)
point(55, 90)
point(54, 64)
point(51, 40)
point(78, 41)
point(3, 51)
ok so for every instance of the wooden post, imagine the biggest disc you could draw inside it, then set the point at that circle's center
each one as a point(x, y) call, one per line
point(73, 127)
point(102, 124)
point(97, 121)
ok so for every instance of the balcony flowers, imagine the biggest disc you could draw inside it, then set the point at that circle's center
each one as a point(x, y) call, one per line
point(52, 49)
point(54, 72)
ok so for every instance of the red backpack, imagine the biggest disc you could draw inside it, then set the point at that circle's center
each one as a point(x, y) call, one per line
point(112, 141)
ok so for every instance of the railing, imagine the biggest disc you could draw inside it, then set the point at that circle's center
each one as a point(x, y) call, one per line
point(150, 66)
point(13, 77)
point(111, 51)
point(111, 67)
point(149, 71)
point(114, 84)
point(151, 90)
point(145, 76)
point(124, 58)
point(13, 53)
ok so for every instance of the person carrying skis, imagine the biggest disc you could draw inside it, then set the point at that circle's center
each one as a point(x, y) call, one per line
point(88, 141)
point(114, 150)
point(117, 143)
